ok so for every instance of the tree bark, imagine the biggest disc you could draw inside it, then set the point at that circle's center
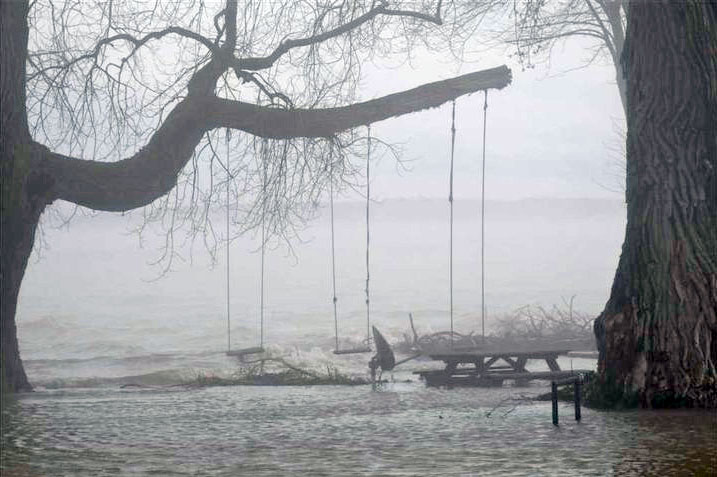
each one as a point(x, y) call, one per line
point(21, 193)
point(658, 333)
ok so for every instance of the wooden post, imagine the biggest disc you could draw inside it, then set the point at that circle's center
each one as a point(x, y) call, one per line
point(554, 389)
point(577, 385)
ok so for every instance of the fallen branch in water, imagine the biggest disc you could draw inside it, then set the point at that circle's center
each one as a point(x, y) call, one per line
point(254, 373)
point(515, 400)
point(529, 326)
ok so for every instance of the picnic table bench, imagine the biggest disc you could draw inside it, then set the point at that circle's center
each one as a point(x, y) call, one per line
point(483, 367)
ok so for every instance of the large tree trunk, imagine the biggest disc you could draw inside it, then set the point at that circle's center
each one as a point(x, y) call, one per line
point(22, 187)
point(658, 333)
point(20, 216)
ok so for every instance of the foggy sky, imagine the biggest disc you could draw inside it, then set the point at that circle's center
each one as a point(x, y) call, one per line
point(552, 133)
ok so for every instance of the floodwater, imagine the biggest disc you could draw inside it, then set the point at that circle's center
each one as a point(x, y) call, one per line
point(91, 319)
point(403, 429)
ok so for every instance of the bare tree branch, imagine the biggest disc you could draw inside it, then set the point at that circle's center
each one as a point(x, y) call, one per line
point(259, 63)
point(153, 171)
point(136, 42)
point(283, 124)
point(435, 18)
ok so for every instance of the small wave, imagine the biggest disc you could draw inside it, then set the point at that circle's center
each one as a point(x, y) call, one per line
point(157, 357)
point(50, 322)
point(167, 377)
point(174, 369)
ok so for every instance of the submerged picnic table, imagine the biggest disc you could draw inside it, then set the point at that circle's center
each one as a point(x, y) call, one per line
point(483, 367)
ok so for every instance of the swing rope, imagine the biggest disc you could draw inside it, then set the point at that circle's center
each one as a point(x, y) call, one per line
point(260, 349)
point(229, 328)
point(367, 347)
point(263, 239)
point(368, 199)
point(450, 201)
point(482, 222)
point(333, 248)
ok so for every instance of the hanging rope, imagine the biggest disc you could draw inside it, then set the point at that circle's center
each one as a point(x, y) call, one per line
point(482, 222)
point(263, 239)
point(333, 248)
point(368, 198)
point(450, 201)
point(229, 328)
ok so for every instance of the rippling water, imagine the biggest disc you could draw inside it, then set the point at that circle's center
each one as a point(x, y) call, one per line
point(403, 429)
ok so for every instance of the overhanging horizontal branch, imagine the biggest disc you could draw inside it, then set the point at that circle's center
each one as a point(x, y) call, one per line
point(152, 172)
point(283, 124)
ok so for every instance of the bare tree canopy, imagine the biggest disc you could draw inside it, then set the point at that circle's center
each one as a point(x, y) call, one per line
point(110, 71)
point(540, 25)
point(114, 105)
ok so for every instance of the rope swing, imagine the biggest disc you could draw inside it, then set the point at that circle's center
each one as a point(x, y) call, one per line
point(263, 240)
point(482, 219)
point(367, 347)
point(257, 349)
point(333, 247)
point(450, 202)
point(368, 235)
point(229, 176)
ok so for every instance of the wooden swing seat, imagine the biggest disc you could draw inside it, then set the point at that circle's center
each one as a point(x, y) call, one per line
point(246, 351)
point(364, 349)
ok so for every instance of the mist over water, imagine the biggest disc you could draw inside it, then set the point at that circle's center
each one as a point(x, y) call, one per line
point(91, 318)
point(93, 301)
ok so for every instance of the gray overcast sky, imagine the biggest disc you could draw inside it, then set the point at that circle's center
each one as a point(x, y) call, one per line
point(551, 133)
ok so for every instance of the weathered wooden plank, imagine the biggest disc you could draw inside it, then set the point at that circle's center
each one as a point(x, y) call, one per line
point(496, 368)
point(552, 375)
point(363, 349)
point(472, 356)
point(583, 354)
point(438, 378)
point(245, 351)
point(460, 372)
point(562, 377)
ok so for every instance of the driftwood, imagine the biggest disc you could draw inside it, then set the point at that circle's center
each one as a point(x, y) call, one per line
point(440, 340)
point(254, 372)
point(512, 403)
point(262, 361)
point(527, 328)
point(559, 323)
